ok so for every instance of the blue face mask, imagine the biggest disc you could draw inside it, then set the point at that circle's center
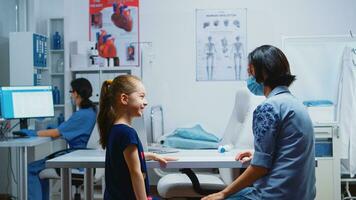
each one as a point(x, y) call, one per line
point(254, 87)
point(72, 101)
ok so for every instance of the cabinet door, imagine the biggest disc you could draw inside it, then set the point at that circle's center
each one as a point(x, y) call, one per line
point(324, 179)
point(94, 79)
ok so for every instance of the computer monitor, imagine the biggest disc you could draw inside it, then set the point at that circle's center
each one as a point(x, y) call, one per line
point(22, 102)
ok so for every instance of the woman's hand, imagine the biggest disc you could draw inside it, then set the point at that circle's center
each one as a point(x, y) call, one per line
point(244, 156)
point(214, 196)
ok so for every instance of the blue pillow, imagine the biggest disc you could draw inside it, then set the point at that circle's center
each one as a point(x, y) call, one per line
point(184, 143)
point(195, 133)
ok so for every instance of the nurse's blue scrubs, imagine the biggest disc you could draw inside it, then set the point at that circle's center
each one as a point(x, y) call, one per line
point(76, 131)
point(284, 144)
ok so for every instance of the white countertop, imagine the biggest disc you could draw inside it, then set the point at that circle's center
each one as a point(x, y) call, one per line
point(186, 159)
point(24, 142)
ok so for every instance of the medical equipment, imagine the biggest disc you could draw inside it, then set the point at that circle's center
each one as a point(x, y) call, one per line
point(22, 102)
point(320, 111)
point(156, 146)
point(237, 132)
point(225, 148)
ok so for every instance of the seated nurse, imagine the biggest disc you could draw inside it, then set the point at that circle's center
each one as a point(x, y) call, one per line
point(76, 131)
point(282, 165)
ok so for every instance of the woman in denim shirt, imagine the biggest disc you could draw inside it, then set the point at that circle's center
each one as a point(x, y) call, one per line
point(282, 166)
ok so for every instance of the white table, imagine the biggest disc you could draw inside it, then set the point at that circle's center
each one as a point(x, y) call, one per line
point(22, 144)
point(90, 159)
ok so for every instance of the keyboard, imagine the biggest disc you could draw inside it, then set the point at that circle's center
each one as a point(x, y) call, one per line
point(7, 138)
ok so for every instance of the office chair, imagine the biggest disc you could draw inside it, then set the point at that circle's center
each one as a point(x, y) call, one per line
point(77, 176)
point(188, 184)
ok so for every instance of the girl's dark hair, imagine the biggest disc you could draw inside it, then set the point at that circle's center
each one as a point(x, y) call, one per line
point(271, 66)
point(83, 88)
point(110, 91)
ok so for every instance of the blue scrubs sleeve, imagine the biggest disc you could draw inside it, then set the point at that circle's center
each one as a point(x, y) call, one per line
point(70, 128)
point(265, 130)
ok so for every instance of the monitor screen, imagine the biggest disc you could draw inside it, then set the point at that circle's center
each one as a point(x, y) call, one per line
point(26, 102)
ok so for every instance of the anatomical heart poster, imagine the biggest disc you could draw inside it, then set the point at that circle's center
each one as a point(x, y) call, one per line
point(221, 45)
point(114, 27)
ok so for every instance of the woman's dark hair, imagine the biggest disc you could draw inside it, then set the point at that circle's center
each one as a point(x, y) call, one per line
point(110, 90)
point(271, 66)
point(83, 88)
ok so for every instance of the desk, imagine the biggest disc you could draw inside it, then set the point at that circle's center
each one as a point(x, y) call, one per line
point(90, 159)
point(22, 144)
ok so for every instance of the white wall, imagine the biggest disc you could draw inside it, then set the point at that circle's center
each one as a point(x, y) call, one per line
point(170, 25)
point(47, 9)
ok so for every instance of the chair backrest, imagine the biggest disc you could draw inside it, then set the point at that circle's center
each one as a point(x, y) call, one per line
point(238, 131)
point(237, 118)
point(93, 141)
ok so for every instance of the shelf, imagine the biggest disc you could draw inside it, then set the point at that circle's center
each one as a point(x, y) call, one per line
point(59, 105)
point(56, 50)
point(117, 68)
point(84, 69)
point(102, 69)
point(57, 74)
point(41, 68)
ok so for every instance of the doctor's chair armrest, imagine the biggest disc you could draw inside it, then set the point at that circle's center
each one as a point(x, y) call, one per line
point(64, 151)
point(195, 181)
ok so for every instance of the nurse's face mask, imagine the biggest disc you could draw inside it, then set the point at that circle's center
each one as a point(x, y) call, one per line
point(73, 98)
point(72, 101)
point(254, 87)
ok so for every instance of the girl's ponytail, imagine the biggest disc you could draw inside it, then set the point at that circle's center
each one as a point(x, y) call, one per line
point(106, 116)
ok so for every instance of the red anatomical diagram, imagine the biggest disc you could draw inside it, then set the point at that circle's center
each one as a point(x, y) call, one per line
point(106, 45)
point(97, 20)
point(109, 49)
point(122, 17)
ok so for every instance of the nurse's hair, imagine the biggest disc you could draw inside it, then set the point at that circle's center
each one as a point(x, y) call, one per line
point(108, 106)
point(84, 89)
point(271, 66)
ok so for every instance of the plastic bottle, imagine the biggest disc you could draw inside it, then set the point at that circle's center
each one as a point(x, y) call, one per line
point(111, 62)
point(106, 62)
point(60, 65)
point(56, 95)
point(56, 40)
point(224, 148)
point(60, 119)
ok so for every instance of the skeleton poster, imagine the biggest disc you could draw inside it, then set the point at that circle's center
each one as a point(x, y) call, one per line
point(114, 27)
point(221, 45)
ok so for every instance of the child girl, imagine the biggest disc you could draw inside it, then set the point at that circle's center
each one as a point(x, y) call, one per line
point(125, 168)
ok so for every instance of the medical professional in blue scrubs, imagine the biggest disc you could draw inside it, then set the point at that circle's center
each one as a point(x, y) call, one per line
point(76, 131)
point(282, 166)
